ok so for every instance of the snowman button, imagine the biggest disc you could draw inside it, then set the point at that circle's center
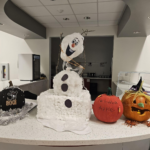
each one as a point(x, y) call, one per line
point(68, 103)
point(65, 77)
point(64, 87)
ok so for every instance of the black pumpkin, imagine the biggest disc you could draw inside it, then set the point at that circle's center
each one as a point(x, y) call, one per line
point(11, 97)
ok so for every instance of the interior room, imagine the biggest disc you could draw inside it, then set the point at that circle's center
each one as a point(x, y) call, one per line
point(74, 74)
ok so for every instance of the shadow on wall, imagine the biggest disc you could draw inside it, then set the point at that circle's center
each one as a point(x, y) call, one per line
point(41, 47)
point(127, 53)
point(144, 59)
point(114, 88)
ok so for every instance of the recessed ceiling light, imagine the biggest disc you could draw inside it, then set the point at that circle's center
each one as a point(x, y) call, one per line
point(87, 18)
point(148, 17)
point(136, 32)
point(1, 24)
point(66, 19)
point(60, 10)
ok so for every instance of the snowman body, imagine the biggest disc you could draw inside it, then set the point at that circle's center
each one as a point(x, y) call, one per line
point(66, 107)
point(67, 83)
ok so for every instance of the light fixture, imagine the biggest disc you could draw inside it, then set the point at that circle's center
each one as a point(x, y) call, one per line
point(65, 19)
point(148, 17)
point(87, 18)
point(136, 32)
point(60, 10)
point(1, 24)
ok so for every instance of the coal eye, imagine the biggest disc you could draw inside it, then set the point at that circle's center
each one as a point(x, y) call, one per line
point(134, 101)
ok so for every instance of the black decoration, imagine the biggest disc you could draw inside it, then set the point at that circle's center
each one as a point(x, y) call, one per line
point(30, 95)
point(64, 87)
point(65, 77)
point(68, 103)
point(137, 87)
point(12, 98)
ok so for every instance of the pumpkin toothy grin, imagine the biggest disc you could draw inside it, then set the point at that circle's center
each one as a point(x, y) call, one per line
point(139, 111)
point(69, 51)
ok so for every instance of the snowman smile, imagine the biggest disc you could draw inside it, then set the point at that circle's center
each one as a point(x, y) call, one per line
point(69, 51)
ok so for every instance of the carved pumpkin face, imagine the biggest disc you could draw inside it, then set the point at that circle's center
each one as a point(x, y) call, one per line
point(136, 107)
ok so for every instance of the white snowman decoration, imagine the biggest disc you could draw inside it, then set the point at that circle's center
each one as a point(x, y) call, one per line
point(67, 107)
point(68, 82)
point(72, 46)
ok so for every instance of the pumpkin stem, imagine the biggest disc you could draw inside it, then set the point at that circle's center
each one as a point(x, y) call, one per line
point(109, 92)
point(10, 83)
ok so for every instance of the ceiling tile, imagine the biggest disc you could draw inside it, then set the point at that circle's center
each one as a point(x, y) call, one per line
point(109, 16)
point(46, 19)
point(82, 1)
point(85, 8)
point(93, 17)
point(84, 24)
point(57, 2)
point(36, 11)
point(55, 10)
point(69, 24)
point(116, 6)
point(107, 23)
point(25, 3)
point(71, 18)
point(52, 25)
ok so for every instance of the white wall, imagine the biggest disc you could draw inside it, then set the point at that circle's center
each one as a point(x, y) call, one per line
point(11, 46)
point(127, 53)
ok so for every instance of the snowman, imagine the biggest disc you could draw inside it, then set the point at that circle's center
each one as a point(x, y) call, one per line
point(68, 82)
point(67, 107)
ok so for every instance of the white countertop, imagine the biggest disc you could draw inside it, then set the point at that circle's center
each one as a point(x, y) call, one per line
point(16, 82)
point(30, 132)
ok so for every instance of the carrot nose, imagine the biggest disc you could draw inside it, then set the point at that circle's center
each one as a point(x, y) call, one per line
point(73, 45)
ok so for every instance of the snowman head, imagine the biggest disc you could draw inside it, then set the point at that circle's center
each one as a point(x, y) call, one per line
point(72, 46)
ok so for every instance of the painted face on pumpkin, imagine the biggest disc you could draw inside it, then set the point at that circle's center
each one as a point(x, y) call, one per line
point(136, 104)
point(136, 109)
point(72, 46)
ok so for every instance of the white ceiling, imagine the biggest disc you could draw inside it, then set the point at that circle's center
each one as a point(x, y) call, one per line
point(51, 13)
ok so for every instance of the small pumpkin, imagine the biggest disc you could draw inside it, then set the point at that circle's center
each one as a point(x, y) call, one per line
point(11, 97)
point(136, 103)
point(107, 107)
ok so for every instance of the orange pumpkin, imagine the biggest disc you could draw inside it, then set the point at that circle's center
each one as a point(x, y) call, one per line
point(136, 104)
point(107, 107)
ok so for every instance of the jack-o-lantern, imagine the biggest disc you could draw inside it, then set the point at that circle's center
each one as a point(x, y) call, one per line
point(11, 97)
point(136, 103)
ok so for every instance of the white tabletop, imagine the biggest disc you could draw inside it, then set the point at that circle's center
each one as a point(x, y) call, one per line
point(30, 132)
